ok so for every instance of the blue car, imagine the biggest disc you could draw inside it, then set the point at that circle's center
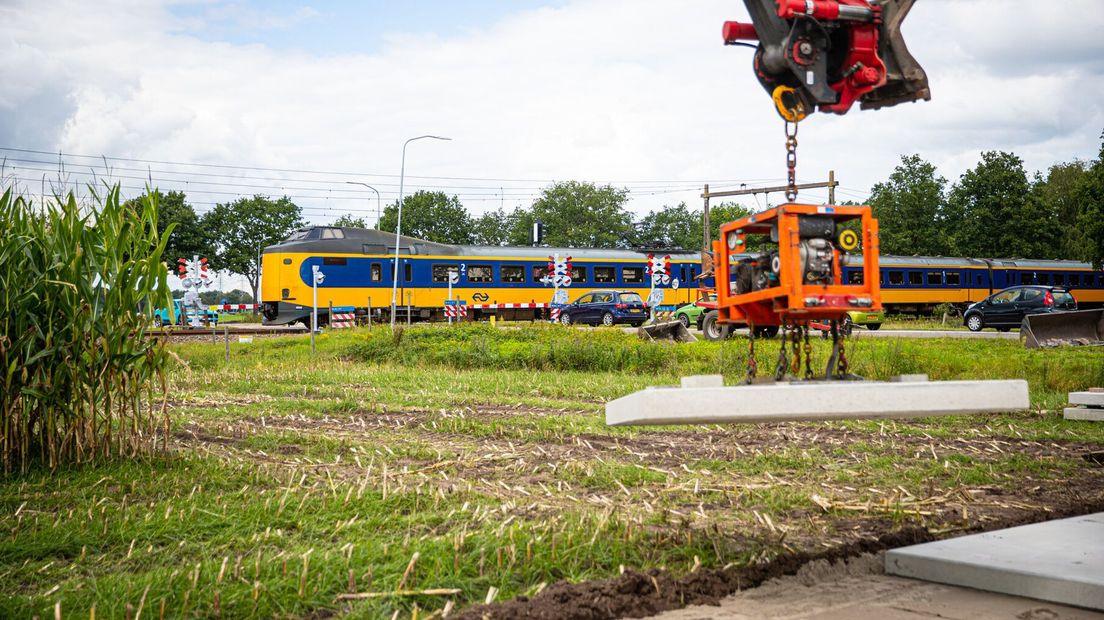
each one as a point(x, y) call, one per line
point(606, 308)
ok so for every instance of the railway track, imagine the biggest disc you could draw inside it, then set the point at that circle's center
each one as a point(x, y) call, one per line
point(217, 332)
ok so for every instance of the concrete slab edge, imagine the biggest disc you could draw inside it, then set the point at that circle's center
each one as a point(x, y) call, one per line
point(903, 563)
point(795, 402)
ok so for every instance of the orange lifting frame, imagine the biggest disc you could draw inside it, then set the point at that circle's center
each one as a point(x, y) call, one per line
point(793, 300)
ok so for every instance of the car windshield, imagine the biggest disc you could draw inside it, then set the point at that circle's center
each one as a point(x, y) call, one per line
point(1062, 297)
point(631, 298)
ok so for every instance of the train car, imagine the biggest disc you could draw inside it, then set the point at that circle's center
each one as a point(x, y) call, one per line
point(916, 284)
point(506, 281)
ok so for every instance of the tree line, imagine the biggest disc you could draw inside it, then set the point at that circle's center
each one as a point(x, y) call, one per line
point(995, 209)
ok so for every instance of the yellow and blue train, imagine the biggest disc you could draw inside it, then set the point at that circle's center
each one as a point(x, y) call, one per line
point(358, 265)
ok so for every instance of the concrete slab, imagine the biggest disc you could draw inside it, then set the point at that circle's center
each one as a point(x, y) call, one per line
point(1088, 414)
point(815, 401)
point(695, 381)
point(1060, 561)
point(1094, 399)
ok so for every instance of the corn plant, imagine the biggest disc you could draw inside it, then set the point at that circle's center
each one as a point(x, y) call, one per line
point(79, 375)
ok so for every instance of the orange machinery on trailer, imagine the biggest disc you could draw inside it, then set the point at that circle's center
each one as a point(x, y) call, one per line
point(781, 268)
point(794, 277)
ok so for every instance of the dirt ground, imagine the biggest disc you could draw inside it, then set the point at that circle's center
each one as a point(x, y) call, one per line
point(524, 470)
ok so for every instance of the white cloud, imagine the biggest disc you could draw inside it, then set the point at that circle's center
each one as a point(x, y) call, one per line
point(602, 90)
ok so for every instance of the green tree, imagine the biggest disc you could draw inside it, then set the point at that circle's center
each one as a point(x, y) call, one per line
point(994, 214)
point(722, 214)
point(579, 214)
point(671, 227)
point(1059, 193)
point(1090, 195)
point(244, 227)
point(491, 228)
point(348, 221)
point(911, 210)
point(190, 237)
point(432, 216)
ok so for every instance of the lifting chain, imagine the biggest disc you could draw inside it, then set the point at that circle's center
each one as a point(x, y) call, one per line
point(752, 365)
point(841, 361)
point(791, 160)
point(808, 355)
point(783, 358)
point(795, 338)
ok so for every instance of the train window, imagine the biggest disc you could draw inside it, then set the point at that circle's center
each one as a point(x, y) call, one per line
point(332, 233)
point(604, 274)
point(578, 274)
point(1074, 279)
point(1043, 278)
point(855, 277)
point(1059, 279)
point(979, 280)
point(480, 273)
point(632, 275)
point(377, 272)
point(896, 277)
point(333, 260)
point(408, 273)
point(440, 271)
point(539, 272)
point(916, 278)
point(953, 278)
point(513, 273)
point(935, 278)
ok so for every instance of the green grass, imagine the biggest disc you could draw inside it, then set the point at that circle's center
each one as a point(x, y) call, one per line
point(292, 473)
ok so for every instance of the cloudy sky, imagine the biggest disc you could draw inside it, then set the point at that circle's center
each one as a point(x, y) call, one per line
point(298, 98)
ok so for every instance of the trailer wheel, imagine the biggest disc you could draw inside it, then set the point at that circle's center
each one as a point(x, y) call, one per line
point(712, 330)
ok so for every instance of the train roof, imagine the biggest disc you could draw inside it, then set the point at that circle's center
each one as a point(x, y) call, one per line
point(346, 240)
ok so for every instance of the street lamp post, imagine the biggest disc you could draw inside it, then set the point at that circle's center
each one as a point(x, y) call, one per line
point(398, 227)
point(379, 210)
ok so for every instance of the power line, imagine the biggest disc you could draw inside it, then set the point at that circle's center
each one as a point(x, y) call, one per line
point(342, 173)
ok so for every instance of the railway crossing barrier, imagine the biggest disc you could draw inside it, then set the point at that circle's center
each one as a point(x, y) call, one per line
point(456, 309)
point(342, 317)
point(665, 313)
point(218, 307)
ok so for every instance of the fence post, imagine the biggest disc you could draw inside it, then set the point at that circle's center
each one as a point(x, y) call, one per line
point(408, 319)
point(369, 313)
point(226, 341)
point(329, 313)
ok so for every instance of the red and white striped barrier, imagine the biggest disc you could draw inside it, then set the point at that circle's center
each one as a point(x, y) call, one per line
point(456, 312)
point(555, 314)
point(665, 315)
point(342, 320)
point(508, 306)
point(233, 307)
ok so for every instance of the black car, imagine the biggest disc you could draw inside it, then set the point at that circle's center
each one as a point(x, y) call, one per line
point(606, 308)
point(1006, 309)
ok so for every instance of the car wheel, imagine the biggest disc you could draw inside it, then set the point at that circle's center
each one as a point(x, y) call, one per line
point(974, 323)
point(607, 319)
point(565, 319)
point(874, 327)
point(685, 320)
